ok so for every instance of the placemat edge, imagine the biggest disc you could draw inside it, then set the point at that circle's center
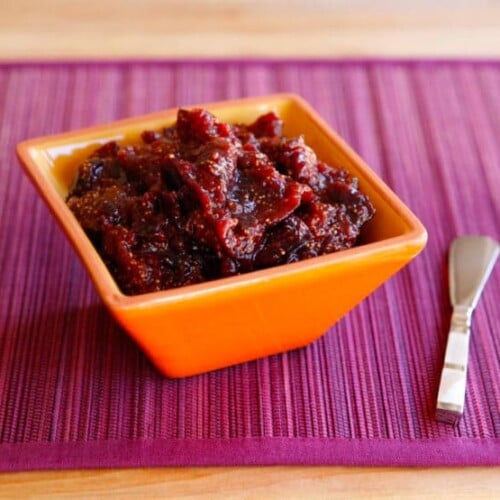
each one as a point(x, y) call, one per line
point(241, 451)
point(406, 61)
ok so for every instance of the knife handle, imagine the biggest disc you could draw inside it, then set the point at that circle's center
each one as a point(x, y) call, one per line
point(451, 395)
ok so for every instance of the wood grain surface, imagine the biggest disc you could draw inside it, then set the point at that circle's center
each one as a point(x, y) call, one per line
point(256, 482)
point(54, 29)
point(60, 29)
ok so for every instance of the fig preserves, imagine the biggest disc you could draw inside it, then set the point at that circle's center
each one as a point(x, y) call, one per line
point(204, 199)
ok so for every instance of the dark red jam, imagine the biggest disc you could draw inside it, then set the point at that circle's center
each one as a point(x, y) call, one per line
point(204, 200)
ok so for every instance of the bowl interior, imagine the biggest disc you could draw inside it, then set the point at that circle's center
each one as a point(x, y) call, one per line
point(52, 162)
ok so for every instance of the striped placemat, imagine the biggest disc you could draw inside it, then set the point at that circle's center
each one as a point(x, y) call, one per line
point(76, 392)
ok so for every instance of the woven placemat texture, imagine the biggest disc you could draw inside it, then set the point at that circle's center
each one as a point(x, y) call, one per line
point(75, 391)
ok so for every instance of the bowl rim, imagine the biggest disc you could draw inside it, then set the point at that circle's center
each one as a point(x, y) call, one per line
point(415, 234)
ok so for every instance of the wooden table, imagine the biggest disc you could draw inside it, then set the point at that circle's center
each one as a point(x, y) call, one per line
point(61, 29)
point(180, 28)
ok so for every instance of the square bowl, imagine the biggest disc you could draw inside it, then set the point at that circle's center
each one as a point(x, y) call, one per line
point(198, 328)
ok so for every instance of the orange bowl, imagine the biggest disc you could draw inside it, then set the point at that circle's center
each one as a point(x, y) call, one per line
point(202, 327)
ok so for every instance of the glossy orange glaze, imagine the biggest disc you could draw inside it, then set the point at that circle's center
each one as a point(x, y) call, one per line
point(202, 327)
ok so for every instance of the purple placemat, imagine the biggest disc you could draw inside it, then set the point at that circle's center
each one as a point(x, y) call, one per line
point(76, 392)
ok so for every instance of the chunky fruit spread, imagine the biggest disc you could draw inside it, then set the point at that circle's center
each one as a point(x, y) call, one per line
point(203, 200)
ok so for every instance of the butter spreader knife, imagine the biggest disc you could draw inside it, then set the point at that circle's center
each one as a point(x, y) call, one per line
point(471, 260)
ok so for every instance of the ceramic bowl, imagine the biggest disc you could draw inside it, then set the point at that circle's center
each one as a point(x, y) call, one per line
point(202, 327)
